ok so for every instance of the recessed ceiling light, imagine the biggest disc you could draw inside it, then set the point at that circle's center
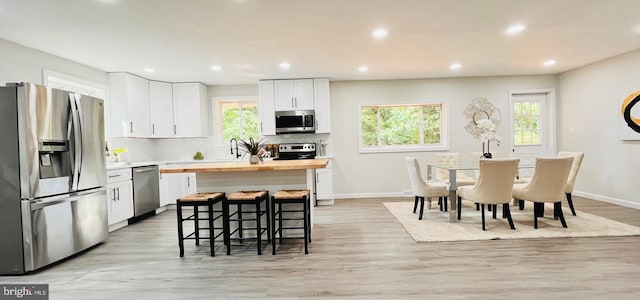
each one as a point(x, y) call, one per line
point(515, 29)
point(380, 33)
point(216, 68)
point(285, 65)
point(363, 69)
point(455, 66)
point(548, 63)
point(149, 70)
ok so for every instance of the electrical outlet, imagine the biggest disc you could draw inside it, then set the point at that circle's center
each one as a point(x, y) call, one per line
point(406, 192)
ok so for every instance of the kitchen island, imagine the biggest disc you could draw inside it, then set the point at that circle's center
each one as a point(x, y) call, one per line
point(271, 175)
point(244, 166)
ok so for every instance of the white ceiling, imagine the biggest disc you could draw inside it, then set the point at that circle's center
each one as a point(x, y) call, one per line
point(323, 38)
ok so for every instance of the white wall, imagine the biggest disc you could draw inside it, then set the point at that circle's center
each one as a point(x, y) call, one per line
point(590, 102)
point(380, 174)
point(23, 64)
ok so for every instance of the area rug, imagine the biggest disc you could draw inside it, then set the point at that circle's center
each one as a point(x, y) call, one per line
point(435, 226)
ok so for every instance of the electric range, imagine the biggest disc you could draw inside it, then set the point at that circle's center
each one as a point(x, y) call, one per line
point(290, 151)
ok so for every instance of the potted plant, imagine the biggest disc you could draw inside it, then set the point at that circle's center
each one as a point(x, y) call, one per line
point(255, 148)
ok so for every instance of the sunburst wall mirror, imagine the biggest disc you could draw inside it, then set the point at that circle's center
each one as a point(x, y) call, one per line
point(481, 109)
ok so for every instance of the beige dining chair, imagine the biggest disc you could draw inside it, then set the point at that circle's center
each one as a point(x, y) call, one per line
point(571, 181)
point(546, 186)
point(475, 159)
point(451, 159)
point(494, 186)
point(424, 189)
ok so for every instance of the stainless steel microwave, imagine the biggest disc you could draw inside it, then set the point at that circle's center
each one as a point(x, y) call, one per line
point(295, 121)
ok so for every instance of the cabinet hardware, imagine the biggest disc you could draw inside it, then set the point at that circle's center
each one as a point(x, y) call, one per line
point(113, 193)
point(153, 129)
point(188, 181)
point(175, 131)
point(118, 194)
point(131, 125)
point(117, 175)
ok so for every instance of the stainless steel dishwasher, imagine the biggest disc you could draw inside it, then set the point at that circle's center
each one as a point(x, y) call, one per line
point(146, 190)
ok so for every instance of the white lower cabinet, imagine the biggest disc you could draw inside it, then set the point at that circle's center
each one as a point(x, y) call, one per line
point(120, 197)
point(176, 185)
point(324, 185)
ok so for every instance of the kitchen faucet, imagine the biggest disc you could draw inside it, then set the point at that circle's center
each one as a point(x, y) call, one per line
point(231, 146)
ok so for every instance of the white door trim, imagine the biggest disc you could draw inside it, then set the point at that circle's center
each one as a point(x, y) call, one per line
point(550, 110)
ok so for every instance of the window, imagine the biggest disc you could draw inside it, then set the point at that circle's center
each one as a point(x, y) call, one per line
point(237, 118)
point(526, 123)
point(409, 127)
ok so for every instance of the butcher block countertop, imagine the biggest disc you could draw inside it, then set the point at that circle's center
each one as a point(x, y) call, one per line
point(267, 165)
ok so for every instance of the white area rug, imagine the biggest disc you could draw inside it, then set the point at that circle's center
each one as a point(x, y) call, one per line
point(435, 226)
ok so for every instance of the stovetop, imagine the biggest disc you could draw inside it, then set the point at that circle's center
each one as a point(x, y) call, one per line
point(290, 151)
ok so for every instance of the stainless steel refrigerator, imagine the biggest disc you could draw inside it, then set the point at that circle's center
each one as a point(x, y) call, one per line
point(52, 177)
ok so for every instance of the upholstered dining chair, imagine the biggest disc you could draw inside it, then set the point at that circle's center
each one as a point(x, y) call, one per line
point(451, 159)
point(546, 186)
point(494, 186)
point(571, 181)
point(475, 159)
point(424, 189)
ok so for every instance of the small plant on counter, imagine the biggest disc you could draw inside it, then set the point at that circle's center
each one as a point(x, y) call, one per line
point(198, 156)
point(253, 147)
point(118, 151)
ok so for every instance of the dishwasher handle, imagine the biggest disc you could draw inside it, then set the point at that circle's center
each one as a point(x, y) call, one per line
point(142, 170)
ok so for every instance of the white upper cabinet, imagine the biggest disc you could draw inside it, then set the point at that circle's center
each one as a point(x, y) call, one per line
point(190, 111)
point(266, 106)
point(322, 105)
point(129, 102)
point(161, 109)
point(294, 94)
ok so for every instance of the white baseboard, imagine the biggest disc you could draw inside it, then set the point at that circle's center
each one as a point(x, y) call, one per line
point(370, 195)
point(616, 201)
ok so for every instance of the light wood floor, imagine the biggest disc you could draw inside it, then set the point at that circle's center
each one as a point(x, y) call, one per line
point(359, 250)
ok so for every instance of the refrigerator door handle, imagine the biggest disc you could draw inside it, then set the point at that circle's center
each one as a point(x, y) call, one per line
point(49, 201)
point(76, 146)
point(79, 135)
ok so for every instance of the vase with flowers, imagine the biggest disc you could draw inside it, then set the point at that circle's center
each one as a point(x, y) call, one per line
point(487, 133)
point(255, 149)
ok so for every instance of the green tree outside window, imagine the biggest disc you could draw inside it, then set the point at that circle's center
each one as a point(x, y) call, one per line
point(239, 119)
point(394, 125)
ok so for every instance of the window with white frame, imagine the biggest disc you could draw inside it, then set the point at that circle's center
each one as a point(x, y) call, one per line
point(236, 118)
point(403, 127)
